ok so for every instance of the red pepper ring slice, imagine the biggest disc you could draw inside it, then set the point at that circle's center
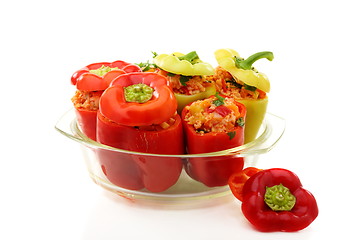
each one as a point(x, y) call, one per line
point(158, 109)
point(237, 181)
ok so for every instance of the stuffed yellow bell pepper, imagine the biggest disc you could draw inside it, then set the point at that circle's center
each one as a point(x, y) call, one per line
point(236, 77)
point(187, 76)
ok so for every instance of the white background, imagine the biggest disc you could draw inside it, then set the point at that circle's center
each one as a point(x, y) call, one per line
point(45, 190)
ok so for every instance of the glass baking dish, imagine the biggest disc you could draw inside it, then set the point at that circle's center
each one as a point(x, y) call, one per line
point(104, 163)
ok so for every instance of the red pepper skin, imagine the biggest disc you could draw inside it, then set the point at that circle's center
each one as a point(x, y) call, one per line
point(120, 169)
point(135, 171)
point(86, 119)
point(165, 141)
point(87, 122)
point(92, 82)
point(213, 171)
point(238, 180)
point(263, 217)
point(84, 80)
point(157, 110)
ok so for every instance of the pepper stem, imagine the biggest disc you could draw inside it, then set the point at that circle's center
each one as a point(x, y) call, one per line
point(139, 93)
point(279, 198)
point(190, 57)
point(247, 63)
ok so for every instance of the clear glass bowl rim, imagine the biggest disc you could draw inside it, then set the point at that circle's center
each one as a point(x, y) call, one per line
point(271, 131)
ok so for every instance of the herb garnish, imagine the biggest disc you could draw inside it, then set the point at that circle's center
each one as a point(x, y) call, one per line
point(154, 54)
point(250, 88)
point(231, 135)
point(170, 74)
point(245, 86)
point(146, 66)
point(240, 122)
point(235, 84)
point(184, 79)
point(219, 101)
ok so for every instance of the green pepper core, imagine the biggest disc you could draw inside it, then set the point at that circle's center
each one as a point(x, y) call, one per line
point(246, 64)
point(139, 93)
point(190, 57)
point(279, 198)
point(102, 70)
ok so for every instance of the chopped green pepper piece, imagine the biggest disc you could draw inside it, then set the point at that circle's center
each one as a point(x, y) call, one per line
point(219, 101)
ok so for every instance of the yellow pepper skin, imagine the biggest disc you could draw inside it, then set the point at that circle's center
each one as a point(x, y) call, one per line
point(174, 64)
point(255, 114)
point(184, 100)
point(229, 59)
point(226, 58)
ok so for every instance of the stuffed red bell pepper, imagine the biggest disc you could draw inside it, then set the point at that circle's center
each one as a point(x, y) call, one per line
point(210, 125)
point(90, 82)
point(274, 200)
point(138, 113)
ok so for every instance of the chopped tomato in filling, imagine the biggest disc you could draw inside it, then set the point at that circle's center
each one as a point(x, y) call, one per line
point(206, 116)
point(227, 85)
point(86, 100)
